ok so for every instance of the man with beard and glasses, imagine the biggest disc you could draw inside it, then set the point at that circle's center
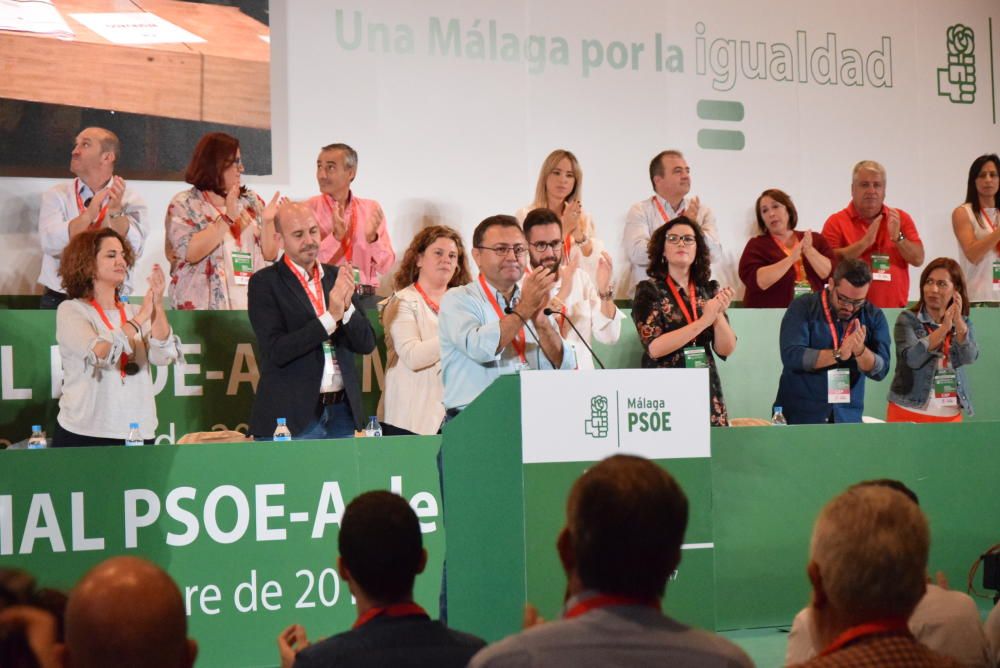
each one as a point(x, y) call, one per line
point(574, 297)
point(309, 326)
point(830, 340)
point(489, 327)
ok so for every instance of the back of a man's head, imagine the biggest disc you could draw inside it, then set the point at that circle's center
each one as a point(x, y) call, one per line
point(626, 519)
point(870, 545)
point(381, 545)
point(127, 611)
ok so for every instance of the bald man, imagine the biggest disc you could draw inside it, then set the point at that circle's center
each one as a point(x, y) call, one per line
point(96, 198)
point(126, 612)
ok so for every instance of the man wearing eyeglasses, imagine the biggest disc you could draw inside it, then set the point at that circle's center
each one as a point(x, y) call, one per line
point(353, 230)
point(575, 298)
point(96, 198)
point(670, 176)
point(489, 327)
point(830, 341)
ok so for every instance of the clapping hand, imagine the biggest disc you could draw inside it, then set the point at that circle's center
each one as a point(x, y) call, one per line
point(605, 270)
point(571, 216)
point(291, 641)
point(115, 192)
point(692, 209)
point(374, 222)
point(271, 210)
point(340, 293)
point(536, 290)
point(893, 224)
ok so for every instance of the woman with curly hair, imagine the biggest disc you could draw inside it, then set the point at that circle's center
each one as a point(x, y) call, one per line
point(434, 262)
point(218, 232)
point(106, 346)
point(680, 314)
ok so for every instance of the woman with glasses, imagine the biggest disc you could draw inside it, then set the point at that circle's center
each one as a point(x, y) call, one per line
point(934, 344)
point(218, 232)
point(434, 262)
point(977, 227)
point(679, 313)
point(560, 188)
point(781, 264)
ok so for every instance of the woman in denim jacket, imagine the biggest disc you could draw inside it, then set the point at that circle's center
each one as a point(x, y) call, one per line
point(934, 344)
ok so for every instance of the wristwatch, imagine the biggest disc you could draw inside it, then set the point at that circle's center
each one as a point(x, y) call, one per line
point(901, 237)
point(836, 354)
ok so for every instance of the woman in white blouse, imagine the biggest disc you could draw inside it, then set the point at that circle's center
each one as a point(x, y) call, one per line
point(977, 227)
point(107, 346)
point(560, 188)
point(434, 262)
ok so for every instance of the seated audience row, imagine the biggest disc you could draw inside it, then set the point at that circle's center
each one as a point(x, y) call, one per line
point(625, 523)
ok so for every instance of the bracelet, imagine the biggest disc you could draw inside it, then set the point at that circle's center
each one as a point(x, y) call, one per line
point(609, 295)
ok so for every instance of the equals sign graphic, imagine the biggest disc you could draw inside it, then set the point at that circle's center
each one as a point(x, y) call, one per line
point(721, 140)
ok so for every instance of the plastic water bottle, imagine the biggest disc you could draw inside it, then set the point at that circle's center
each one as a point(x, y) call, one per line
point(134, 437)
point(373, 428)
point(779, 418)
point(37, 440)
point(281, 432)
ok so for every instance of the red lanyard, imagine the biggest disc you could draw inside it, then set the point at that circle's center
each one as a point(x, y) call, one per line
point(945, 347)
point(317, 299)
point(567, 246)
point(989, 223)
point(234, 225)
point(663, 212)
point(80, 207)
point(123, 360)
point(829, 319)
point(346, 250)
point(871, 628)
point(689, 316)
point(520, 339)
point(434, 306)
point(607, 600)
point(800, 269)
point(395, 610)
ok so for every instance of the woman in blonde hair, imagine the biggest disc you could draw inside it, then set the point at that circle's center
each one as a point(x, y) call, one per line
point(559, 187)
point(434, 262)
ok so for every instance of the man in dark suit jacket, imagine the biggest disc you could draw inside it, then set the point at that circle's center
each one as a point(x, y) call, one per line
point(381, 553)
point(309, 326)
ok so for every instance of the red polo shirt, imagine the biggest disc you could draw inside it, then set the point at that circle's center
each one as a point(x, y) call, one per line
point(847, 226)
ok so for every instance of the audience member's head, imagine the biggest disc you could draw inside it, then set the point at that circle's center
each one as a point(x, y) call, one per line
point(625, 522)
point(95, 151)
point(27, 612)
point(430, 244)
point(296, 225)
point(127, 612)
point(381, 549)
point(868, 559)
point(656, 249)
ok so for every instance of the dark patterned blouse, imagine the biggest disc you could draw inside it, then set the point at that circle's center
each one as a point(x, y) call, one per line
point(655, 312)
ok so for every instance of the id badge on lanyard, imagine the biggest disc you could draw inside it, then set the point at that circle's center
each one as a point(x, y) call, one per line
point(242, 266)
point(880, 268)
point(946, 387)
point(996, 274)
point(801, 288)
point(838, 386)
point(695, 358)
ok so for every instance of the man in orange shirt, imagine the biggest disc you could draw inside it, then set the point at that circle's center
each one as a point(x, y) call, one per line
point(884, 238)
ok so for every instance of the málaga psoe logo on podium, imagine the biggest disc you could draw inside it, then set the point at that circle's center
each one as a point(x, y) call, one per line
point(597, 425)
point(957, 80)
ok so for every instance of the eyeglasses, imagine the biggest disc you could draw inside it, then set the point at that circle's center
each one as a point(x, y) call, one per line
point(681, 239)
point(854, 304)
point(940, 285)
point(502, 250)
point(238, 161)
point(542, 246)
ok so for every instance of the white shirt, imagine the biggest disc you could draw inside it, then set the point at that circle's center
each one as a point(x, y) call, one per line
point(979, 276)
point(643, 219)
point(59, 206)
point(332, 380)
point(583, 307)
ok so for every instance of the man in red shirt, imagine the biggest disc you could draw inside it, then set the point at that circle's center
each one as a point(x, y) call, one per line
point(884, 238)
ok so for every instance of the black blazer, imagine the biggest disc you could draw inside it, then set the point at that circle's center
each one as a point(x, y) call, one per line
point(290, 342)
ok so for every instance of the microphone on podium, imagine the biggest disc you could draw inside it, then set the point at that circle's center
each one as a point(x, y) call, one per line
point(583, 339)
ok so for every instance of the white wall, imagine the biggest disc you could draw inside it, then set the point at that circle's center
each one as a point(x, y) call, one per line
point(453, 138)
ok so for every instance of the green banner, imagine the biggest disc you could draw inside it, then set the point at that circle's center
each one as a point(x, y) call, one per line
point(248, 531)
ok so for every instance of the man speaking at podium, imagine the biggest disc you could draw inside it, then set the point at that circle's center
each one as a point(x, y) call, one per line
point(497, 324)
